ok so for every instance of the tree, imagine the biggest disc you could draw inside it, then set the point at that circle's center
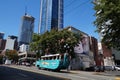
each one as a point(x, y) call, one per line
point(35, 45)
point(108, 21)
point(56, 42)
point(12, 55)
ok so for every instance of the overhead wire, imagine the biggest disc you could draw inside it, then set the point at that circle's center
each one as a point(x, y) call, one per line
point(77, 7)
point(69, 3)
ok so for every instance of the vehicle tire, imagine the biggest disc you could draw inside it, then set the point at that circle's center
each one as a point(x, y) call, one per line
point(38, 67)
point(56, 70)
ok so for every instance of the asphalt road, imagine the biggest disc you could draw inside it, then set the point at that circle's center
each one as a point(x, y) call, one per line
point(32, 73)
point(7, 73)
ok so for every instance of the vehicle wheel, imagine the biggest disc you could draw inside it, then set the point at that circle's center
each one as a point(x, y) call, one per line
point(38, 67)
point(57, 70)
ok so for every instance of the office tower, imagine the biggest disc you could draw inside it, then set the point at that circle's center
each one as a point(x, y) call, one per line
point(51, 15)
point(1, 35)
point(11, 43)
point(26, 30)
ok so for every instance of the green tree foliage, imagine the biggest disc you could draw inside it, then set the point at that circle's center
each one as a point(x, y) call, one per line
point(54, 42)
point(108, 21)
point(35, 45)
point(12, 55)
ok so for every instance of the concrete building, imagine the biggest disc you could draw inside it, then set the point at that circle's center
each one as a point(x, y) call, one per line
point(26, 30)
point(116, 56)
point(106, 54)
point(27, 56)
point(11, 43)
point(24, 48)
point(51, 15)
point(85, 51)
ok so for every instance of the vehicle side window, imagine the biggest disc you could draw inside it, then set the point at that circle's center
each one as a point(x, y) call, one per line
point(62, 57)
point(50, 58)
point(56, 57)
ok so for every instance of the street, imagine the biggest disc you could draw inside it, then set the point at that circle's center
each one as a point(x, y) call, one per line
point(15, 72)
point(7, 73)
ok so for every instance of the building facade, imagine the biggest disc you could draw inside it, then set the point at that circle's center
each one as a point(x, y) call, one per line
point(51, 15)
point(27, 56)
point(26, 30)
point(85, 51)
point(106, 55)
point(24, 48)
point(116, 56)
point(11, 43)
point(1, 35)
point(2, 45)
point(94, 50)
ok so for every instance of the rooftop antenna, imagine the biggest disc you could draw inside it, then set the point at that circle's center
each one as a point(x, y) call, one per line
point(25, 10)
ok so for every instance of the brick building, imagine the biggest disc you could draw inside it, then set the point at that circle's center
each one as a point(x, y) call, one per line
point(2, 44)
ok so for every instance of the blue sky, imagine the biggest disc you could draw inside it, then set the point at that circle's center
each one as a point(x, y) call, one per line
point(77, 13)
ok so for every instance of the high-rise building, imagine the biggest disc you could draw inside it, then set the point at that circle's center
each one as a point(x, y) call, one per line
point(51, 15)
point(1, 35)
point(26, 30)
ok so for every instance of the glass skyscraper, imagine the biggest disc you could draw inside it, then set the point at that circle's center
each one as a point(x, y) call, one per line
point(26, 30)
point(51, 15)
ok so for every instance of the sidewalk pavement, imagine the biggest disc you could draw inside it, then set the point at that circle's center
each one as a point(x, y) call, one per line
point(110, 73)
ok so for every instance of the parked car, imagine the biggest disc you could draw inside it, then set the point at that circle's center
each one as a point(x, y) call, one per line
point(117, 67)
point(23, 63)
point(95, 68)
point(99, 69)
point(27, 64)
point(34, 63)
point(8, 62)
point(109, 68)
point(91, 68)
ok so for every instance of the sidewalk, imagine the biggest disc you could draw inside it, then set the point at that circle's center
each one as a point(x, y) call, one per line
point(110, 73)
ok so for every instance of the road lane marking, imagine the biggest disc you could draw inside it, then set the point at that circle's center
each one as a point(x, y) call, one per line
point(23, 75)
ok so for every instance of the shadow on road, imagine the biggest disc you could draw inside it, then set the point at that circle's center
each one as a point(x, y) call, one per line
point(8, 73)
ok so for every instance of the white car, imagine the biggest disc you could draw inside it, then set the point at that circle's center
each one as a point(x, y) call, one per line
point(8, 62)
point(27, 64)
point(34, 63)
point(117, 68)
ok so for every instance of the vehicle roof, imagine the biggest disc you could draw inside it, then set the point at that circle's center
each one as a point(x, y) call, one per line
point(50, 55)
